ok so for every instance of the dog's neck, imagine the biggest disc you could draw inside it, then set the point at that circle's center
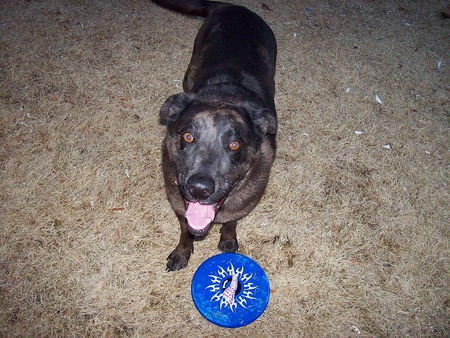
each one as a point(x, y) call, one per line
point(230, 89)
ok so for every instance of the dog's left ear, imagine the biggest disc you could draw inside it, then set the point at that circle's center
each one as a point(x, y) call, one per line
point(265, 119)
point(172, 108)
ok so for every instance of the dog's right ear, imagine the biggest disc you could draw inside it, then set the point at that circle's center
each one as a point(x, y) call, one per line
point(172, 108)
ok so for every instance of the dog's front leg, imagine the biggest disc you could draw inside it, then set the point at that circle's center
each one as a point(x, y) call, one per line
point(179, 257)
point(228, 241)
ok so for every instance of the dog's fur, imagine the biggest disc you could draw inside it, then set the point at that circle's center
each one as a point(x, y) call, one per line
point(220, 141)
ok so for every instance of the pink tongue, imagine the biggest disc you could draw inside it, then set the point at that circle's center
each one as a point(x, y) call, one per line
point(199, 216)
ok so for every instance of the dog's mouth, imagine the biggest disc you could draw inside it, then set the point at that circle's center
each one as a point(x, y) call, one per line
point(200, 216)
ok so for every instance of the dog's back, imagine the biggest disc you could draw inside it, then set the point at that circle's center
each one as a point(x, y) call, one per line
point(233, 41)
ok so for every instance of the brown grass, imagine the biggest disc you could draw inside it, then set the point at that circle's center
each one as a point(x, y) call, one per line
point(352, 236)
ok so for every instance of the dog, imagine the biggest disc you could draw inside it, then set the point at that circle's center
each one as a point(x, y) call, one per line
point(220, 142)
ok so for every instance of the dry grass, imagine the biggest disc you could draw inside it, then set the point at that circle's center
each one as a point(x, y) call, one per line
point(349, 233)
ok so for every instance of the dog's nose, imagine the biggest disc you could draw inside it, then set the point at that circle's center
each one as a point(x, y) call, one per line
point(200, 187)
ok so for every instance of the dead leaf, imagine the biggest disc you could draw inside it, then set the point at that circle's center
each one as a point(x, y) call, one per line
point(264, 6)
point(116, 236)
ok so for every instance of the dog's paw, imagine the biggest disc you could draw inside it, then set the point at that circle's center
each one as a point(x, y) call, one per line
point(230, 245)
point(177, 261)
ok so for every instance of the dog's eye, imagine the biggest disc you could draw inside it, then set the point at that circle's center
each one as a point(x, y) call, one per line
point(188, 138)
point(234, 146)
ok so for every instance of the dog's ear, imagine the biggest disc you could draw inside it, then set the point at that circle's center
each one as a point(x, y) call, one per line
point(172, 108)
point(265, 119)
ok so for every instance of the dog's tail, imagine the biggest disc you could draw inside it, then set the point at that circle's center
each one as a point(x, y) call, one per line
point(192, 7)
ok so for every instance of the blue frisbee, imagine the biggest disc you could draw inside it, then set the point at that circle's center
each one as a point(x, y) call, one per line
point(230, 290)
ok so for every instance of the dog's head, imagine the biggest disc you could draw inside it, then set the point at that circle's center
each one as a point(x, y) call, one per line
point(211, 146)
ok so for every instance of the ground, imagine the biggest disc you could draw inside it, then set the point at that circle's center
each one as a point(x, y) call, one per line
point(353, 230)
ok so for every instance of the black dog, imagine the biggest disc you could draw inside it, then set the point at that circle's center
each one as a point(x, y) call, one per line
point(220, 142)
